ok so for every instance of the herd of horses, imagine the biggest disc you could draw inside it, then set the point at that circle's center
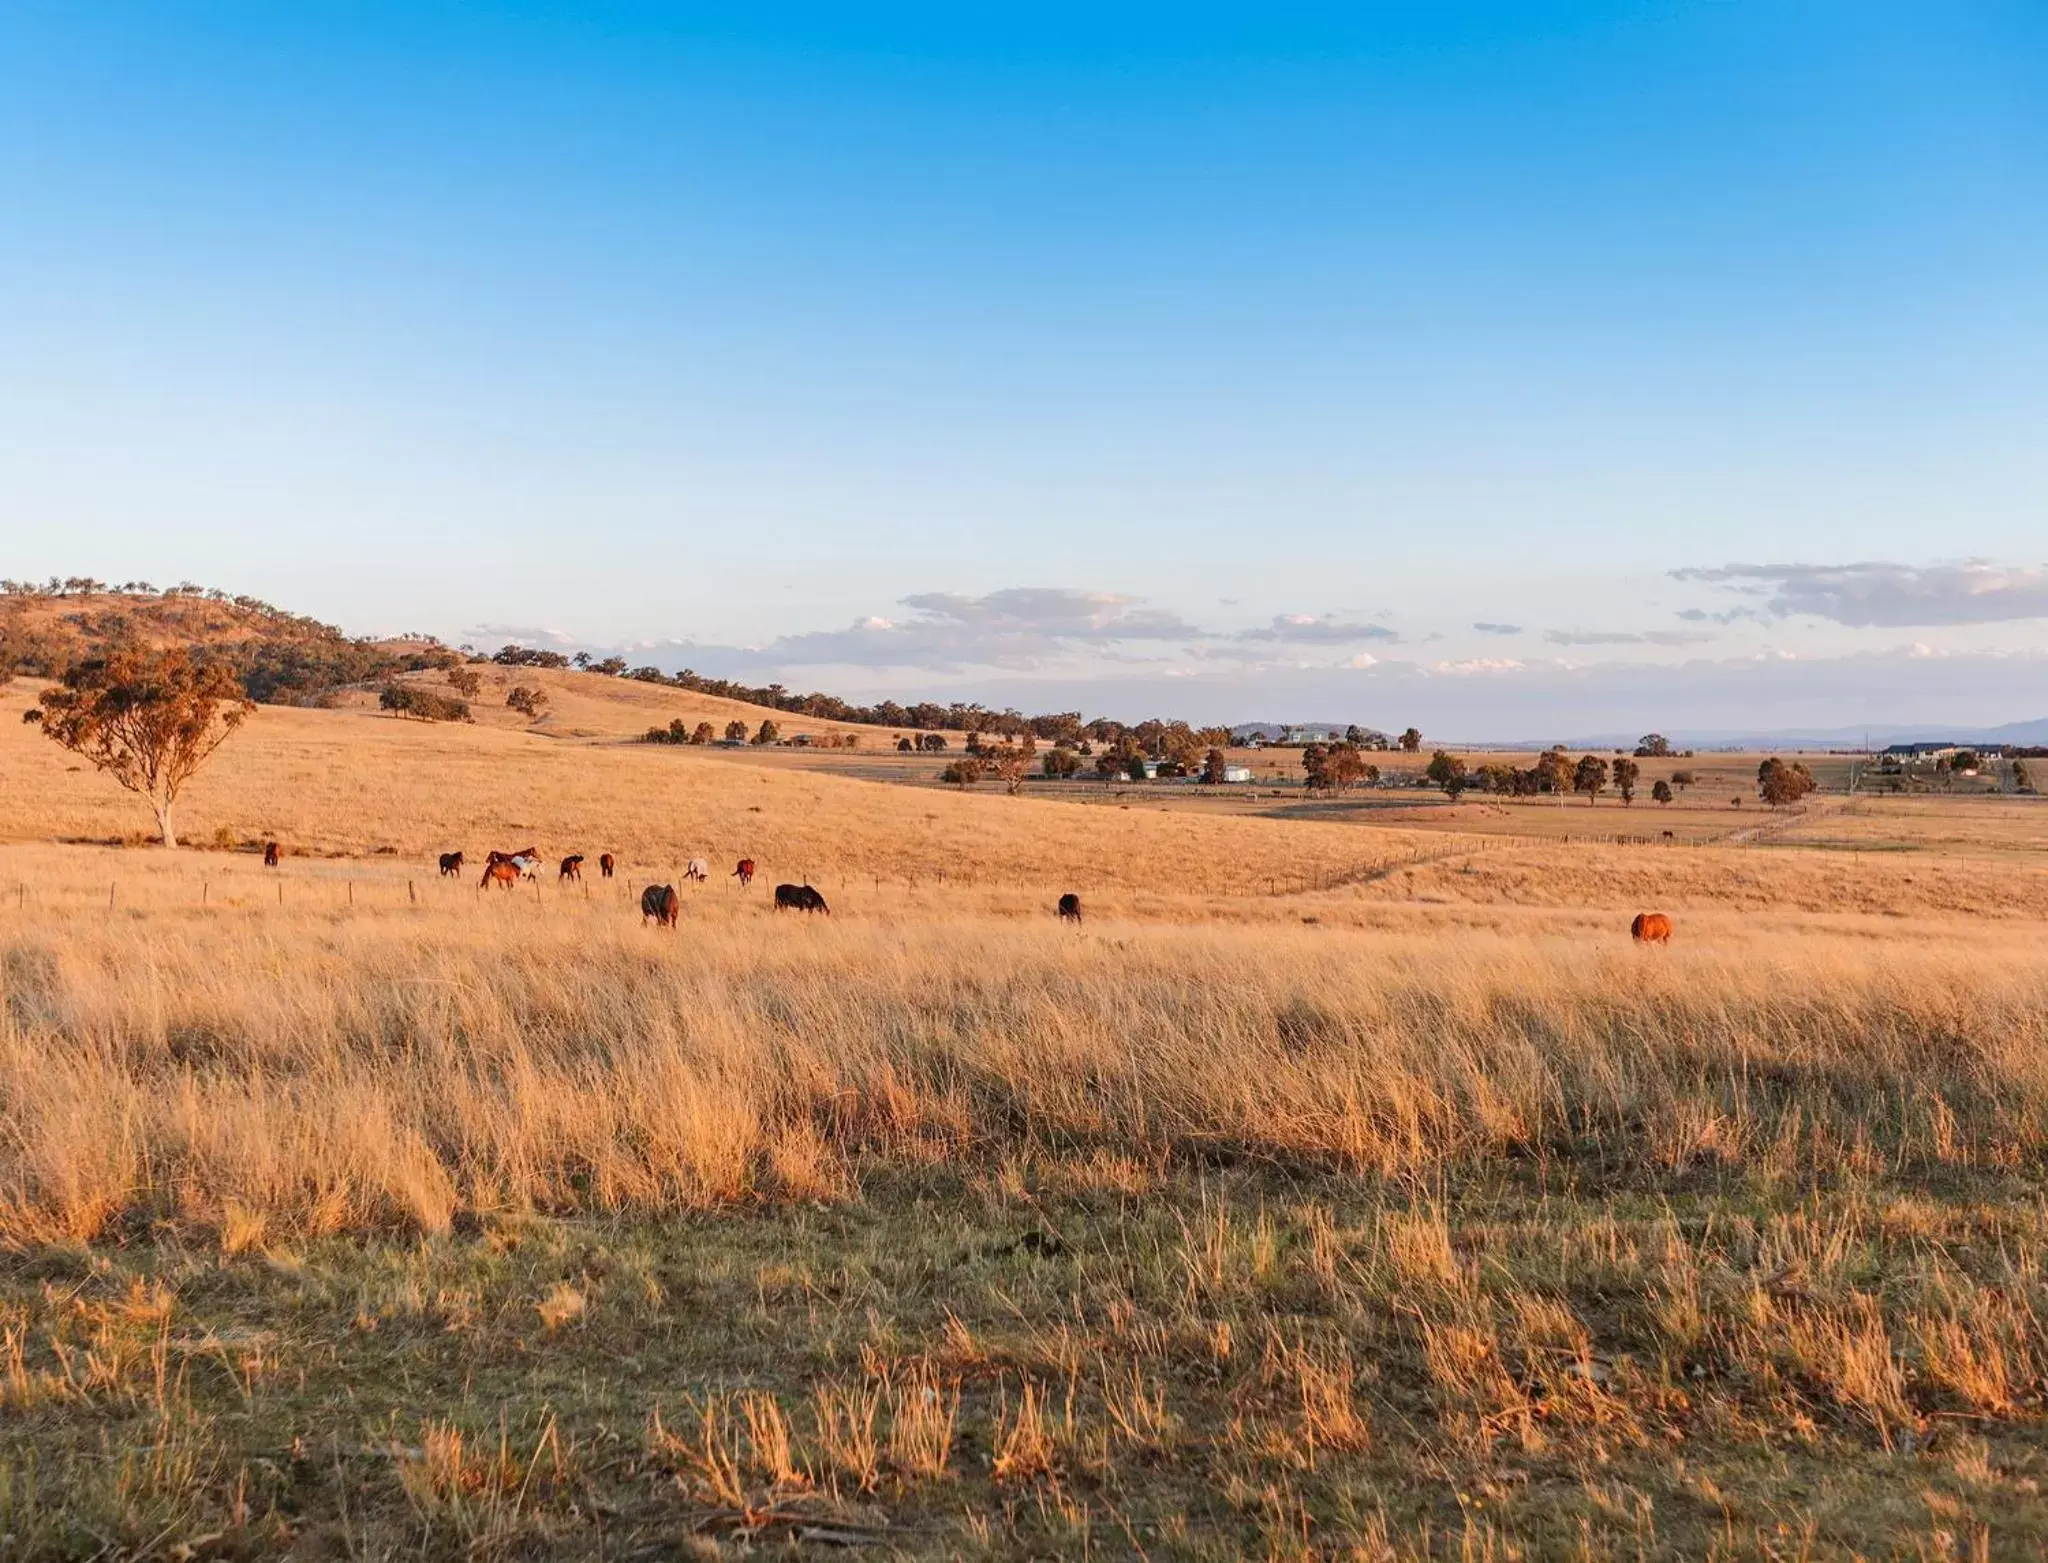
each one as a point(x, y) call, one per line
point(661, 905)
point(658, 903)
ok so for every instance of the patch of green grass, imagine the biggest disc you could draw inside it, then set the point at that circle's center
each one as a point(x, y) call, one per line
point(1062, 1359)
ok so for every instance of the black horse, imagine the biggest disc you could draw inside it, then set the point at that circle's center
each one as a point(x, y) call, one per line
point(799, 898)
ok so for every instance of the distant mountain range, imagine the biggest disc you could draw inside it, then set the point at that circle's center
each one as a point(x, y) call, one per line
point(1877, 737)
point(2023, 733)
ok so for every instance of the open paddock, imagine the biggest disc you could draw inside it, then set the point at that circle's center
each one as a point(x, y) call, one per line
point(1337, 1189)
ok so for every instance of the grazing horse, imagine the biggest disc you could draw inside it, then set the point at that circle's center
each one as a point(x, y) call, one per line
point(572, 867)
point(697, 869)
point(799, 898)
point(1070, 908)
point(451, 865)
point(271, 853)
point(525, 862)
point(745, 872)
point(606, 863)
point(661, 903)
point(1650, 928)
point(503, 872)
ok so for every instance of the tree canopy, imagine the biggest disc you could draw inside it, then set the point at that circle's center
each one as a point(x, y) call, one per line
point(1626, 772)
point(1448, 771)
point(1779, 782)
point(148, 718)
point(1590, 777)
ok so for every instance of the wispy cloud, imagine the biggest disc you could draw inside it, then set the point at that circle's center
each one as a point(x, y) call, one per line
point(1627, 637)
point(1308, 629)
point(1053, 610)
point(1018, 629)
point(1726, 616)
point(1891, 596)
point(1478, 665)
point(1498, 629)
point(494, 635)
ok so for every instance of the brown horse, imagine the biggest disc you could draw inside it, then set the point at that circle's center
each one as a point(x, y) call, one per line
point(606, 863)
point(1650, 928)
point(572, 867)
point(503, 872)
point(745, 872)
point(451, 865)
point(661, 903)
point(1070, 908)
point(271, 853)
point(525, 861)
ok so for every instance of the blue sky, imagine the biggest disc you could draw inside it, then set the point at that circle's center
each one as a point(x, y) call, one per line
point(1496, 367)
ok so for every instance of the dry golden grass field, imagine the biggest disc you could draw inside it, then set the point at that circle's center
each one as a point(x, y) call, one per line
point(1346, 1186)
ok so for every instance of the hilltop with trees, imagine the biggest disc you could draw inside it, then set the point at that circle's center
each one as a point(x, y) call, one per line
point(277, 657)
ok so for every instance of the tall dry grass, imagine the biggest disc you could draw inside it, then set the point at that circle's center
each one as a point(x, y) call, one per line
point(288, 1074)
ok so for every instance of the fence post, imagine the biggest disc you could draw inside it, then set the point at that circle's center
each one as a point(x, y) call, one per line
point(412, 896)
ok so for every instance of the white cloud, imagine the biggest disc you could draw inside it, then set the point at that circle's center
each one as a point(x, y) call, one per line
point(1882, 595)
point(1328, 630)
point(1498, 629)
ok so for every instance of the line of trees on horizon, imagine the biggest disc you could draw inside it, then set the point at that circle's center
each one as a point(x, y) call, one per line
point(1158, 738)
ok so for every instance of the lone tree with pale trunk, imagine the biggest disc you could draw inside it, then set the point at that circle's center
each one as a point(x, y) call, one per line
point(149, 719)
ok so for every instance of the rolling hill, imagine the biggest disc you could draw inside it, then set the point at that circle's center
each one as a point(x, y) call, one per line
point(286, 658)
point(596, 706)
